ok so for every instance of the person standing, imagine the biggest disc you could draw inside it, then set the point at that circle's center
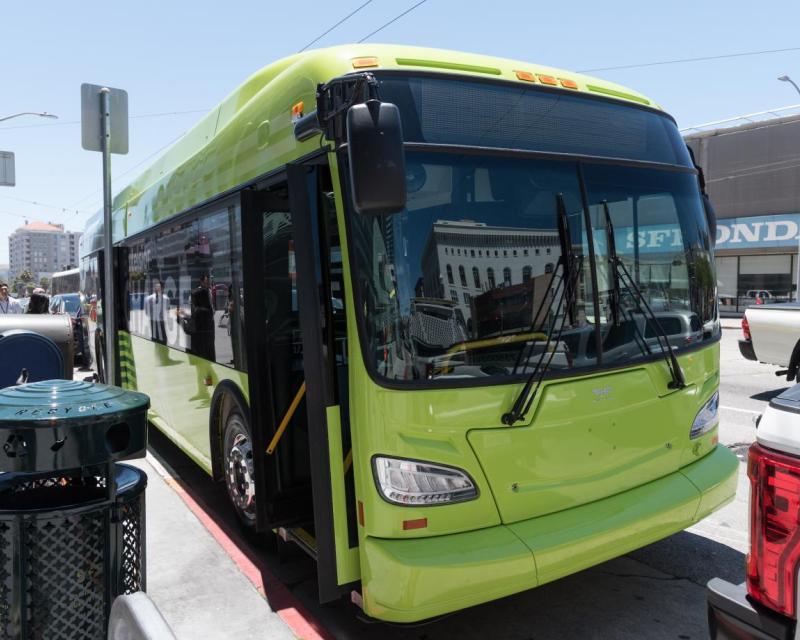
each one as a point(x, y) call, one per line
point(39, 302)
point(8, 305)
point(156, 306)
point(200, 324)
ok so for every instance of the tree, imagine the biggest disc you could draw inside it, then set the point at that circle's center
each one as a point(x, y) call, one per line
point(23, 280)
point(44, 282)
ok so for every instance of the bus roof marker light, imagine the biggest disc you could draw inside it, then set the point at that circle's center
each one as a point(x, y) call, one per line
point(545, 79)
point(297, 111)
point(365, 62)
point(525, 76)
point(567, 83)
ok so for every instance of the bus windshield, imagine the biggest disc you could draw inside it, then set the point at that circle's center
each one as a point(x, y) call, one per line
point(466, 277)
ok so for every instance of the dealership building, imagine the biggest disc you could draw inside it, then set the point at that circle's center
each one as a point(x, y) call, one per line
point(752, 171)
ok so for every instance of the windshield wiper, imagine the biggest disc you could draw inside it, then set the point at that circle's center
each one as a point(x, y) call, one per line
point(567, 255)
point(621, 274)
point(612, 252)
point(565, 240)
point(568, 288)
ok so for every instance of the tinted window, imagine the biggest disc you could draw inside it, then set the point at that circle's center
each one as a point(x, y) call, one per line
point(670, 325)
point(184, 288)
point(447, 111)
point(488, 212)
point(471, 212)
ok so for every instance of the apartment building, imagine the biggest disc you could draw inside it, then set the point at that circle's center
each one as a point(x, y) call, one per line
point(42, 247)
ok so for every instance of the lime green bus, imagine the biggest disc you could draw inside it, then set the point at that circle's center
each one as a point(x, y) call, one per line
point(445, 321)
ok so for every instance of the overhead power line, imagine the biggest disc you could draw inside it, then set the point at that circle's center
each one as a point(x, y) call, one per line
point(18, 215)
point(43, 204)
point(325, 33)
point(136, 166)
point(69, 122)
point(395, 19)
point(684, 60)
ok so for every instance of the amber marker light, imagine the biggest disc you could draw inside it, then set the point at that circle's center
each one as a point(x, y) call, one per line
point(544, 79)
point(364, 63)
point(419, 523)
point(297, 110)
point(569, 84)
point(525, 76)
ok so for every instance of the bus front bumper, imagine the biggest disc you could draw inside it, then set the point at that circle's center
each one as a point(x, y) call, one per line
point(414, 579)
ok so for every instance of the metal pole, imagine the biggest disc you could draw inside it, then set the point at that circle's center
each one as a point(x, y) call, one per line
point(797, 272)
point(109, 324)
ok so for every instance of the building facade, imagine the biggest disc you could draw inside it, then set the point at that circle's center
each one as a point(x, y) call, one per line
point(464, 259)
point(43, 248)
point(752, 172)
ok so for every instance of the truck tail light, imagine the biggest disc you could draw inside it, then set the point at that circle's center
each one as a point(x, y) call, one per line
point(774, 528)
point(746, 328)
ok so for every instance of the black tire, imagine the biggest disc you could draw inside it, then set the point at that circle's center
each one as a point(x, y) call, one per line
point(238, 469)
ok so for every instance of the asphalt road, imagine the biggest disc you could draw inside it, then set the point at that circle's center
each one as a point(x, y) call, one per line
point(655, 592)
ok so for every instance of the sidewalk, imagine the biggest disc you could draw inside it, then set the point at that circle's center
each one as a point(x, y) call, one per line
point(197, 587)
point(731, 323)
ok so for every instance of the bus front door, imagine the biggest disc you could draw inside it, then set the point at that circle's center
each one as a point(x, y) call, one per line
point(297, 371)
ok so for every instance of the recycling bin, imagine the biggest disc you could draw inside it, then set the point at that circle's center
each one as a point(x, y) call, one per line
point(72, 520)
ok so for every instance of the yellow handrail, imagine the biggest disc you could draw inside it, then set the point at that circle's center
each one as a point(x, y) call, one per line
point(286, 418)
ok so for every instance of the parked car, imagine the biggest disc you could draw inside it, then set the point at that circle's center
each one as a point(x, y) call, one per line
point(760, 296)
point(623, 341)
point(765, 605)
point(771, 334)
point(72, 304)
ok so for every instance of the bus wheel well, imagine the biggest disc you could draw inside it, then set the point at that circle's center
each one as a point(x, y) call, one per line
point(794, 363)
point(227, 397)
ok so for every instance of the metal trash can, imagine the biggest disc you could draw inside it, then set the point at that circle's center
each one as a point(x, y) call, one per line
point(71, 540)
point(19, 351)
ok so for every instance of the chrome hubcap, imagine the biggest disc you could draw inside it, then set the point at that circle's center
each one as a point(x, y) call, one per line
point(241, 477)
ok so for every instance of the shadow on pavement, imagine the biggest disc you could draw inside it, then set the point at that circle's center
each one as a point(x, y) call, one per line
point(693, 557)
point(655, 592)
point(766, 396)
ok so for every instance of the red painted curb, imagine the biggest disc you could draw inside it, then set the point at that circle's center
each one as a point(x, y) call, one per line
point(279, 598)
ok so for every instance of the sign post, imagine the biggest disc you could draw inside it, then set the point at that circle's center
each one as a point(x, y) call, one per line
point(105, 110)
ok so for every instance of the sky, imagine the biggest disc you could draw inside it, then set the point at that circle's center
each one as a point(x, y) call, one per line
point(178, 59)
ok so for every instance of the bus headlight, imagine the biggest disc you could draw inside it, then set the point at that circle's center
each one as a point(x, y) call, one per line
point(413, 482)
point(707, 418)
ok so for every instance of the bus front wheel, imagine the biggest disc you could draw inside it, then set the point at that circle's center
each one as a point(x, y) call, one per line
point(237, 459)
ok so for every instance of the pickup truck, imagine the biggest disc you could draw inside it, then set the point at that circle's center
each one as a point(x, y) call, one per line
point(772, 336)
point(765, 606)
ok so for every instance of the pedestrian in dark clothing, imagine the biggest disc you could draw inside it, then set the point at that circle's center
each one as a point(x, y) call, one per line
point(201, 321)
point(38, 303)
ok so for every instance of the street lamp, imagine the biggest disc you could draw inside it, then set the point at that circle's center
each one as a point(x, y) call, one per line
point(43, 114)
point(788, 79)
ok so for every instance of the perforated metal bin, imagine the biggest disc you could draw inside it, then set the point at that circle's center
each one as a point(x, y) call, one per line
point(70, 539)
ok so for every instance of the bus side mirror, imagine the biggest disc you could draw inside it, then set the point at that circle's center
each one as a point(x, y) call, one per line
point(711, 217)
point(376, 157)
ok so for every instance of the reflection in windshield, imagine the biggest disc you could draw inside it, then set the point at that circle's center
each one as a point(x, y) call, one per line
point(464, 280)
